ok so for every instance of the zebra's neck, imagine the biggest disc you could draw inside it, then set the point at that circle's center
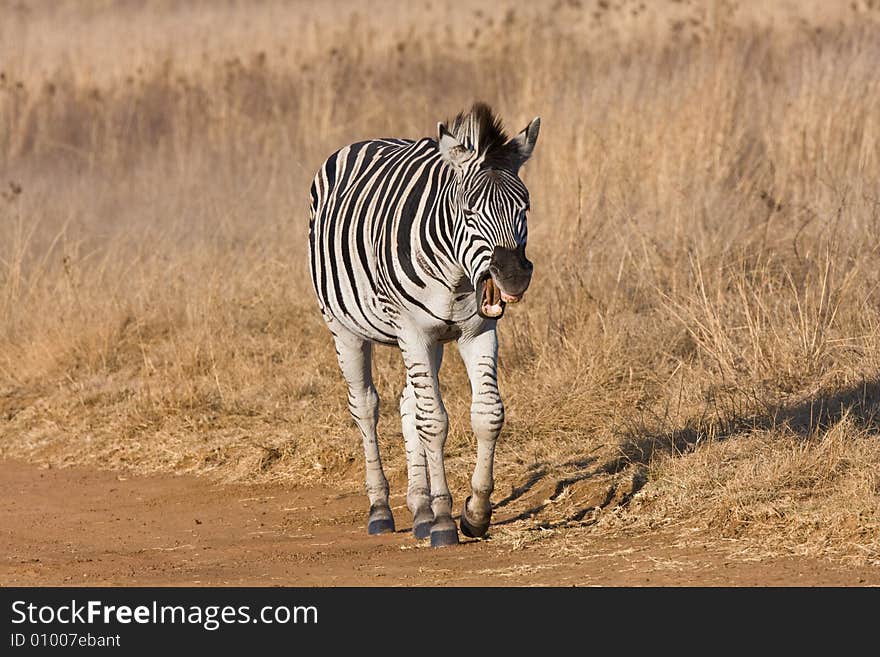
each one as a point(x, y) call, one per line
point(470, 255)
point(442, 231)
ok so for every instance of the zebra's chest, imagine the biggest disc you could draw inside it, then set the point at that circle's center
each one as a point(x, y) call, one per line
point(433, 308)
point(448, 312)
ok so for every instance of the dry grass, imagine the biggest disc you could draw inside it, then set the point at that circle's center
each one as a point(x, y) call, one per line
point(702, 333)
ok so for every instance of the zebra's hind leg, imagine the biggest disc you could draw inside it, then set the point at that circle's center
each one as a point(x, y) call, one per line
point(480, 355)
point(418, 494)
point(422, 361)
point(355, 361)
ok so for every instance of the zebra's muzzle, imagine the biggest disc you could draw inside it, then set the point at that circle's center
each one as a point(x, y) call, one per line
point(506, 281)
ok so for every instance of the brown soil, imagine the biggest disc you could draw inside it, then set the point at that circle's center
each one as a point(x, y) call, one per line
point(87, 527)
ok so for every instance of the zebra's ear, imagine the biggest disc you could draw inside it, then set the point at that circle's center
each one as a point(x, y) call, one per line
point(451, 150)
point(524, 143)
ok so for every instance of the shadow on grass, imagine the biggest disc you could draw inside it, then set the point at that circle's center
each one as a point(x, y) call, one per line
point(623, 475)
point(860, 403)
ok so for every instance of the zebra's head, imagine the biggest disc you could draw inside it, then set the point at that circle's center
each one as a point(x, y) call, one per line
point(491, 205)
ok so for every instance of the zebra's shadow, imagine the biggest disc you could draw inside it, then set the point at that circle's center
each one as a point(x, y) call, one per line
point(610, 476)
point(549, 486)
point(860, 403)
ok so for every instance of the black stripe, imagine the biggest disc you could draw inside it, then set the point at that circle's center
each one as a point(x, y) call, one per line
point(404, 227)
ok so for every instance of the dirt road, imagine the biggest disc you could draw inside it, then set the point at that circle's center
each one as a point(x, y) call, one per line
point(86, 527)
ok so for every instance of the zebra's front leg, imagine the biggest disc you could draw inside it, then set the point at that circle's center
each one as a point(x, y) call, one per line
point(418, 493)
point(355, 361)
point(480, 356)
point(432, 424)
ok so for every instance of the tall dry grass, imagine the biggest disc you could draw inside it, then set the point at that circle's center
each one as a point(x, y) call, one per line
point(700, 344)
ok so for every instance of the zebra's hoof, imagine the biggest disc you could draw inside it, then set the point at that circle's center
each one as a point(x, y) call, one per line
point(381, 521)
point(470, 528)
point(381, 526)
point(422, 522)
point(443, 533)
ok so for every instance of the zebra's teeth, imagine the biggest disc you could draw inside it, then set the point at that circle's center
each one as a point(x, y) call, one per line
point(492, 304)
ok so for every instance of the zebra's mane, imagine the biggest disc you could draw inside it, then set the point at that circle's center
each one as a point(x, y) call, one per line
point(481, 130)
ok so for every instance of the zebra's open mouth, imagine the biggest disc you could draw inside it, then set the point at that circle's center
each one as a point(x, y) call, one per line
point(493, 299)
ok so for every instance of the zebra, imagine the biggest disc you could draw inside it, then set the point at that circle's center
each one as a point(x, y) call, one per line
point(416, 243)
